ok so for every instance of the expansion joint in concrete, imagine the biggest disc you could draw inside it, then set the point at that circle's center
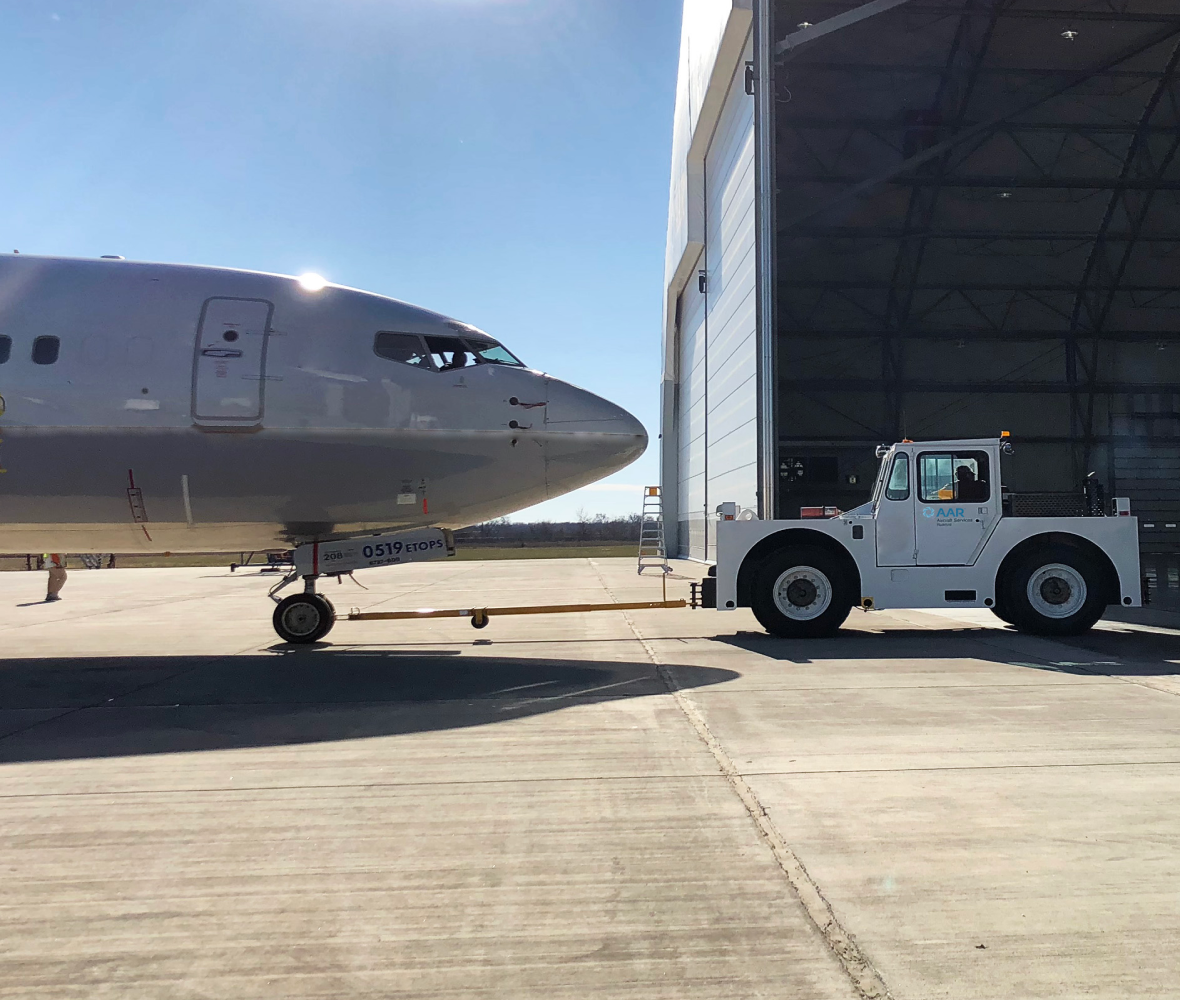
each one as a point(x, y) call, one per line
point(865, 978)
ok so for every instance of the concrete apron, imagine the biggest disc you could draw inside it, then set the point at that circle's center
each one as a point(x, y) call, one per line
point(664, 803)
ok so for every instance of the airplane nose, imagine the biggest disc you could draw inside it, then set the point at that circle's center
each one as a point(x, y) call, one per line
point(588, 437)
point(578, 411)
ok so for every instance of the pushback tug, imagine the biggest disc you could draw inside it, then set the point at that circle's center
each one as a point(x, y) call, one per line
point(939, 532)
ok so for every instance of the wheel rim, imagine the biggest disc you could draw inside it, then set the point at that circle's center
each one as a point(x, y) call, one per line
point(1057, 591)
point(302, 618)
point(802, 593)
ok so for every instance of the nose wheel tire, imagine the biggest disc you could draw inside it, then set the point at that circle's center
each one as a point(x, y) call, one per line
point(304, 618)
point(1056, 590)
point(802, 592)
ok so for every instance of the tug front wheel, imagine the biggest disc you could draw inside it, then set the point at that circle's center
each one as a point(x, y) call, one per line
point(304, 618)
point(802, 592)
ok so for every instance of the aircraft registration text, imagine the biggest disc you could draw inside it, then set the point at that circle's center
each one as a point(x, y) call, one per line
point(375, 550)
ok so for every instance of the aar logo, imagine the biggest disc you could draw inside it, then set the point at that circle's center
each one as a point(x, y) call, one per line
point(927, 511)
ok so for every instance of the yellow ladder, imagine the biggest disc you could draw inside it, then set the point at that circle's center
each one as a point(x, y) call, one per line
point(652, 552)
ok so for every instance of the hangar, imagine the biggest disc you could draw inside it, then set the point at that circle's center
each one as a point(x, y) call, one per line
point(923, 219)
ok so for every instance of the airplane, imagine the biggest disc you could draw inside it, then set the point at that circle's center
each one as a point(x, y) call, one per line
point(170, 408)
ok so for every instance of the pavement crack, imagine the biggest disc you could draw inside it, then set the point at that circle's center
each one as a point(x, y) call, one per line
point(865, 978)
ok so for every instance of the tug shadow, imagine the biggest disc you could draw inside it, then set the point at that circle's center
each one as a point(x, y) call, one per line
point(1110, 650)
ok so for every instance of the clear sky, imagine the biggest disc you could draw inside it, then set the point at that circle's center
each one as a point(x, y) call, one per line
point(502, 161)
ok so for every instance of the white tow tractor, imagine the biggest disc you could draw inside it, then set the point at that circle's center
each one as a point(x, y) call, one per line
point(939, 532)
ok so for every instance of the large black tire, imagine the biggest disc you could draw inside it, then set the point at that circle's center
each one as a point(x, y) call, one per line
point(1054, 590)
point(1000, 609)
point(304, 618)
point(802, 592)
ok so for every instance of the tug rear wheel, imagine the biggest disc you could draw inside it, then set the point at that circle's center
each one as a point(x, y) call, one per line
point(304, 618)
point(1000, 610)
point(1055, 590)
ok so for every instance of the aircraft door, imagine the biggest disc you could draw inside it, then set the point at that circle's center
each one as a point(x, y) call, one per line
point(895, 515)
point(229, 362)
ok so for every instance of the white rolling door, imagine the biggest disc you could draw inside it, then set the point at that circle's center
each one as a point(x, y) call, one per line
point(713, 410)
point(732, 398)
point(690, 419)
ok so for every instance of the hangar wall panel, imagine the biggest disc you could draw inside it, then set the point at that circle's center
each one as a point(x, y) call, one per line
point(703, 26)
point(714, 44)
point(716, 412)
point(690, 422)
point(732, 432)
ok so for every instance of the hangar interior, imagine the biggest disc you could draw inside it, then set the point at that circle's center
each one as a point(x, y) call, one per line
point(973, 216)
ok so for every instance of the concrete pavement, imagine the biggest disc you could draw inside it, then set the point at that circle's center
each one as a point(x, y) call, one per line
point(643, 804)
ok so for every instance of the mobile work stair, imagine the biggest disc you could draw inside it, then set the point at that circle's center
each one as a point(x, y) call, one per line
point(652, 552)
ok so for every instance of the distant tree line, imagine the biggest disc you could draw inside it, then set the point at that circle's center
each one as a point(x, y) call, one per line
point(596, 530)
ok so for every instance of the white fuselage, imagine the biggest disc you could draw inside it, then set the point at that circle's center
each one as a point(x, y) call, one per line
point(196, 409)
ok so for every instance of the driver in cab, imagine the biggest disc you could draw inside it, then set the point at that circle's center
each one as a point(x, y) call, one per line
point(967, 487)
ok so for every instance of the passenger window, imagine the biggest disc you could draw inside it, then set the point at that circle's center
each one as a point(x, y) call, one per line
point(5, 349)
point(959, 476)
point(404, 347)
point(449, 353)
point(45, 350)
point(899, 479)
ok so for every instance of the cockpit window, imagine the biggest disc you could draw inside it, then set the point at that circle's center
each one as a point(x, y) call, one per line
point(449, 353)
point(404, 347)
point(488, 352)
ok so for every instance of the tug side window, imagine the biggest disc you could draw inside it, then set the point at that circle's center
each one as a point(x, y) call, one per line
point(898, 487)
point(959, 476)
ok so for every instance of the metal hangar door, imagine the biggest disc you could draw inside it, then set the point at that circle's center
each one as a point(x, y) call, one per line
point(731, 422)
point(717, 409)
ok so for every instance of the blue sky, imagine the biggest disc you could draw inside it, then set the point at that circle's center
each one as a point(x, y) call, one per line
point(502, 161)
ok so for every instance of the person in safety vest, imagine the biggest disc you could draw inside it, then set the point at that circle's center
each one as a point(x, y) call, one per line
point(55, 562)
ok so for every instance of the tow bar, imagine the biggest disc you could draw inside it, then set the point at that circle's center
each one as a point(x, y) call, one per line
point(480, 616)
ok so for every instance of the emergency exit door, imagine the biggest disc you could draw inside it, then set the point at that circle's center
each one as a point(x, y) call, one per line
point(229, 362)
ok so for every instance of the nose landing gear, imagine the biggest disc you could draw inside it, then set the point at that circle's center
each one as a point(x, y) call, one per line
point(308, 617)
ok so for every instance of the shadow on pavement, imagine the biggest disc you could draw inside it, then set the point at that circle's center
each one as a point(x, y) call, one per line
point(71, 707)
point(1107, 651)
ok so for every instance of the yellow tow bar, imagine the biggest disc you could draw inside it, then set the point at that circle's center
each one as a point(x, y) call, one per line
point(480, 616)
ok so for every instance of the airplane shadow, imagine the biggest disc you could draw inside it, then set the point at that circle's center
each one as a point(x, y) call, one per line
point(62, 708)
point(1108, 652)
